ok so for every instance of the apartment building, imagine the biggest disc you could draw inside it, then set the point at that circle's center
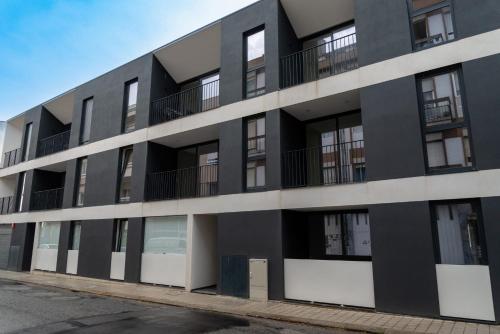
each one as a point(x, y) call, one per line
point(342, 152)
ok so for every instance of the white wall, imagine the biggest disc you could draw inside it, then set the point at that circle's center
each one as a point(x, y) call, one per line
point(7, 186)
point(72, 262)
point(204, 252)
point(117, 265)
point(335, 282)
point(465, 291)
point(46, 259)
point(166, 269)
point(13, 135)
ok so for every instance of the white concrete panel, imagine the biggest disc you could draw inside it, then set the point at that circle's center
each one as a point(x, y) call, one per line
point(335, 282)
point(46, 259)
point(72, 262)
point(465, 291)
point(204, 252)
point(166, 269)
point(118, 265)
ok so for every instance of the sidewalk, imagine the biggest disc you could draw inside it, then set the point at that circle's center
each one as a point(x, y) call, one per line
point(307, 314)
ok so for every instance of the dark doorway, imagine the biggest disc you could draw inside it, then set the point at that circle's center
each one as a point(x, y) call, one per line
point(234, 275)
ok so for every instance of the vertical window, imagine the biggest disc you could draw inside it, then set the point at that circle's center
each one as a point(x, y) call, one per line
point(347, 234)
point(125, 175)
point(432, 22)
point(75, 232)
point(88, 106)
point(120, 236)
point(165, 235)
point(27, 141)
point(49, 235)
point(256, 153)
point(22, 183)
point(82, 180)
point(130, 105)
point(459, 233)
point(255, 64)
point(444, 122)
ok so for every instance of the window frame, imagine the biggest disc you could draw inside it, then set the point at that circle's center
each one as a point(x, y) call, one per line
point(28, 133)
point(83, 119)
point(414, 13)
point(73, 224)
point(442, 127)
point(255, 157)
point(120, 174)
point(476, 207)
point(118, 235)
point(125, 109)
point(78, 180)
point(247, 70)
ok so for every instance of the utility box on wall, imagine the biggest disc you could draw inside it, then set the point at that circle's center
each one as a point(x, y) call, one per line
point(258, 279)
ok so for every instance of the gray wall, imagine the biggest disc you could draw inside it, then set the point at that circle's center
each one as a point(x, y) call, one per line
point(483, 101)
point(62, 251)
point(70, 183)
point(475, 17)
point(96, 244)
point(231, 157)
point(102, 178)
point(392, 132)
point(135, 238)
point(21, 247)
point(404, 269)
point(255, 234)
point(139, 169)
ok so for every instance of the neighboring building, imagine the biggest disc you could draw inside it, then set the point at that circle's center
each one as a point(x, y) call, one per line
point(351, 144)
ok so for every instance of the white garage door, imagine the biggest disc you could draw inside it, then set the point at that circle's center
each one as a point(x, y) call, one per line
point(5, 233)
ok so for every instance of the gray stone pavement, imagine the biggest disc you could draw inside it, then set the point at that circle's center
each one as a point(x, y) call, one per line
point(339, 318)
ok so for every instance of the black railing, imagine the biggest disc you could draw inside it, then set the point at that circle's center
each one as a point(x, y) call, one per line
point(53, 144)
point(185, 103)
point(325, 165)
point(438, 110)
point(11, 158)
point(7, 205)
point(431, 40)
point(190, 182)
point(47, 199)
point(330, 58)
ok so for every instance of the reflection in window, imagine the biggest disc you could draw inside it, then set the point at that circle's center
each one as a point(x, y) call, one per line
point(75, 233)
point(82, 180)
point(347, 234)
point(256, 153)
point(459, 233)
point(120, 235)
point(125, 175)
point(165, 235)
point(49, 235)
point(448, 148)
point(130, 105)
point(432, 22)
point(88, 106)
point(255, 64)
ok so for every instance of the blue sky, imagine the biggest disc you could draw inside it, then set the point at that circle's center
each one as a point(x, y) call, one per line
point(48, 47)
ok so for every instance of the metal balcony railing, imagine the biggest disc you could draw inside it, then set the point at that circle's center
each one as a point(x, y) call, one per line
point(11, 158)
point(190, 182)
point(325, 165)
point(438, 110)
point(53, 144)
point(47, 199)
point(327, 59)
point(7, 205)
point(185, 103)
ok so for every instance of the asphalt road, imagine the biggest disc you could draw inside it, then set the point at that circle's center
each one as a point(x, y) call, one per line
point(35, 309)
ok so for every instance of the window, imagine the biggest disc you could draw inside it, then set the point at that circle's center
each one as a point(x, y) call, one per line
point(82, 180)
point(444, 122)
point(120, 236)
point(255, 64)
point(256, 153)
point(125, 175)
point(210, 92)
point(347, 234)
point(22, 183)
point(459, 233)
point(49, 235)
point(27, 141)
point(165, 235)
point(88, 106)
point(432, 22)
point(74, 238)
point(130, 105)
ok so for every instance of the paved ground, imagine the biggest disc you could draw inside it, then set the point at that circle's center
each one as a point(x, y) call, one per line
point(26, 308)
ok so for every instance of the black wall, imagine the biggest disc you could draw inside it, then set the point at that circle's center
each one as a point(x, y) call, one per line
point(102, 178)
point(21, 247)
point(231, 157)
point(139, 169)
point(135, 238)
point(475, 17)
point(70, 184)
point(391, 128)
point(96, 244)
point(481, 79)
point(62, 252)
point(404, 269)
point(255, 234)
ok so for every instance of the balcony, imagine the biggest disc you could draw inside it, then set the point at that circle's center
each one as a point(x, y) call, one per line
point(190, 182)
point(330, 58)
point(325, 165)
point(438, 110)
point(187, 102)
point(11, 158)
point(47, 199)
point(56, 143)
point(7, 205)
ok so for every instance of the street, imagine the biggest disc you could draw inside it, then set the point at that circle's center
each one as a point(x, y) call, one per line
point(35, 309)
